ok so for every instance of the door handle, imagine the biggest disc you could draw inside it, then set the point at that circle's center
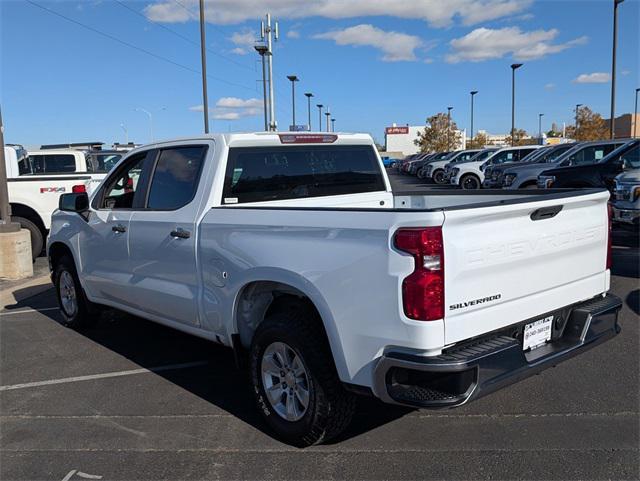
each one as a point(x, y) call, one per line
point(180, 233)
point(120, 229)
point(546, 212)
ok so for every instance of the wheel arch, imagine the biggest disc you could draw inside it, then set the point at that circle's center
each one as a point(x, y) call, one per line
point(22, 210)
point(263, 295)
point(56, 251)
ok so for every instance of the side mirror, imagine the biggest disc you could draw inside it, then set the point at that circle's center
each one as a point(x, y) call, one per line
point(76, 202)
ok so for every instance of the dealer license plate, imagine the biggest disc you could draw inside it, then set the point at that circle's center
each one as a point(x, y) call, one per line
point(537, 333)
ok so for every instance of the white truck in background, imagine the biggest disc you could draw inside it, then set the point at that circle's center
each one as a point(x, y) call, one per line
point(36, 179)
point(293, 250)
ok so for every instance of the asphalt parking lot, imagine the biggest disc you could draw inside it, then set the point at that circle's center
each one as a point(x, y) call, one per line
point(130, 399)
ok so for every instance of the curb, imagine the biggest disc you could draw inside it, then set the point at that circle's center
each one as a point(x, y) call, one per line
point(30, 288)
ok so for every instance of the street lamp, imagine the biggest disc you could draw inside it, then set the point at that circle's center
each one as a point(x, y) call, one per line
point(319, 116)
point(540, 127)
point(514, 67)
point(635, 111)
point(473, 92)
point(577, 118)
point(203, 60)
point(262, 51)
point(449, 109)
point(293, 80)
point(333, 125)
point(328, 114)
point(309, 95)
point(612, 122)
point(139, 109)
point(126, 132)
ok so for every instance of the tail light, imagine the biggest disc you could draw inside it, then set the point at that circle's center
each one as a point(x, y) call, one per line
point(78, 189)
point(423, 290)
point(609, 240)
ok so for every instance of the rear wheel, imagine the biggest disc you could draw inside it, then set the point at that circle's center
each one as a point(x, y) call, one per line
point(37, 238)
point(438, 176)
point(294, 379)
point(76, 310)
point(469, 182)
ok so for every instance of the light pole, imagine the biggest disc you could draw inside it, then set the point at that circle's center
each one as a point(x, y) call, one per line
point(262, 51)
point(293, 80)
point(635, 111)
point(514, 67)
point(126, 132)
point(449, 109)
point(308, 95)
point(319, 116)
point(333, 125)
point(577, 118)
point(203, 55)
point(328, 115)
point(473, 93)
point(612, 122)
point(151, 119)
point(540, 127)
point(6, 225)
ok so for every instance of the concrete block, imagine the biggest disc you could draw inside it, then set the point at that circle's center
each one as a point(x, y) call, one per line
point(15, 255)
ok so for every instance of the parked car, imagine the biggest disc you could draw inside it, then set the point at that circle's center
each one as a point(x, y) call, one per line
point(35, 180)
point(481, 156)
point(435, 170)
point(470, 175)
point(626, 203)
point(583, 171)
point(432, 158)
point(418, 162)
point(494, 175)
point(292, 249)
point(526, 175)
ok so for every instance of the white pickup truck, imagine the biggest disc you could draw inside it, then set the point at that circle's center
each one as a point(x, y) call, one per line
point(293, 250)
point(38, 177)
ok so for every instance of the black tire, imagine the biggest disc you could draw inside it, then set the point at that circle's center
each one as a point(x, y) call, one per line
point(469, 182)
point(330, 407)
point(86, 313)
point(37, 238)
point(421, 173)
point(438, 176)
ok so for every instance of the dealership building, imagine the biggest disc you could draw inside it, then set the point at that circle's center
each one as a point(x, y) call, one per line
point(400, 138)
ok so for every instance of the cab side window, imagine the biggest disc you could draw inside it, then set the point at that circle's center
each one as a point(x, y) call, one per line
point(119, 191)
point(175, 179)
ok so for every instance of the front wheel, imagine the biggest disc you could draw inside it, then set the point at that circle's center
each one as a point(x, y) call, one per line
point(295, 382)
point(77, 311)
point(438, 176)
point(470, 182)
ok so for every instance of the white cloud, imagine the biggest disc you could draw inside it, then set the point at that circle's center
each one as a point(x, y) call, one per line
point(592, 78)
point(485, 43)
point(232, 108)
point(293, 34)
point(550, 86)
point(395, 46)
point(625, 72)
point(244, 42)
point(437, 13)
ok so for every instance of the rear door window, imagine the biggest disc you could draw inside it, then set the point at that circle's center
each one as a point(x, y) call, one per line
point(53, 163)
point(278, 173)
point(592, 154)
point(175, 179)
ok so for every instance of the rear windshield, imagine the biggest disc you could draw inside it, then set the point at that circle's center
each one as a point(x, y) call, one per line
point(277, 173)
point(53, 163)
point(102, 162)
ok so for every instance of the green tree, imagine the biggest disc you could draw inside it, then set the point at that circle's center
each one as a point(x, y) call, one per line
point(439, 135)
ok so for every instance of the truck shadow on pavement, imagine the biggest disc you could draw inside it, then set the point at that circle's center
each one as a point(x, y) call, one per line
point(217, 380)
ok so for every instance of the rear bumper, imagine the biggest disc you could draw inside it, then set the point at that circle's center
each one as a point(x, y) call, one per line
point(472, 370)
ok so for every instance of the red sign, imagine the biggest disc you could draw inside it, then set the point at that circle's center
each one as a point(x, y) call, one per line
point(396, 130)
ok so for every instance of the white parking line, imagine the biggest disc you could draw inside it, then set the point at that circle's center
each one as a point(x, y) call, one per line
point(23, 311)
point(90, 377)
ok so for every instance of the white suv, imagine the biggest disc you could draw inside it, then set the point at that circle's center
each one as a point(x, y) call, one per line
point(470, 175)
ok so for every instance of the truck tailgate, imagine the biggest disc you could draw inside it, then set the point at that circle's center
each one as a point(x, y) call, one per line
point(502, 266)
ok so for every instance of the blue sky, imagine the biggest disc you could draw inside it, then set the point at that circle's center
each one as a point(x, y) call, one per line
point(374, 62)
